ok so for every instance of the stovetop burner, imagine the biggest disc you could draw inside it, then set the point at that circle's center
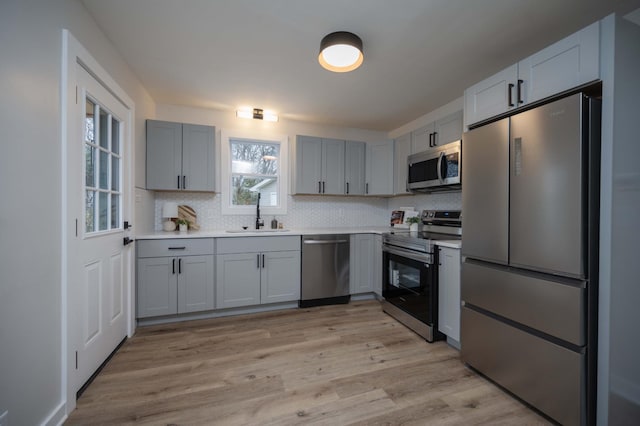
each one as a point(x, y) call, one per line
point(436, 225)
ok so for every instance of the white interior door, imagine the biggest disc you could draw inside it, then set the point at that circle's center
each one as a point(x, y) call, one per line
point(98, 262)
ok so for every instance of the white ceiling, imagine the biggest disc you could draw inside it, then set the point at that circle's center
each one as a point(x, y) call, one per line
point(419, 54)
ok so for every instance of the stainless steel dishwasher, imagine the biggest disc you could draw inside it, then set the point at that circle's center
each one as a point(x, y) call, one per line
point(325, 270)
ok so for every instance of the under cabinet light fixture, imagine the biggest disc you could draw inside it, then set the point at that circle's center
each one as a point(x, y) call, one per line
point(341, 52)
point(258, 114)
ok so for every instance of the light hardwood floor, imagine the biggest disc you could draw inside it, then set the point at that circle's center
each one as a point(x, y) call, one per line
point(333, 365)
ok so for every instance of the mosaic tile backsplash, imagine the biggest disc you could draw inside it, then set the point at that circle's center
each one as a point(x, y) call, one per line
point(308, 211)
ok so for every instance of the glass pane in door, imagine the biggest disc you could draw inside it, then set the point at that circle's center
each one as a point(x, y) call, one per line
point(103, 208)
point(115, 136)
point(104, 170)
point(90, 166)
point(90, 211)
point(115, 211)
point(115, 174)
point(104, 129)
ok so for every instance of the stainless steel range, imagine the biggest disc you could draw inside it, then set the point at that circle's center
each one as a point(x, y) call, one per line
point(410, 271)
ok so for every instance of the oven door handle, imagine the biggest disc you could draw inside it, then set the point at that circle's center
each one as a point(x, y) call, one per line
point(424, 258)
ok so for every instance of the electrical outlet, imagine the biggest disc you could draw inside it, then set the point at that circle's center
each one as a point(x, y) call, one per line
point(4, 417)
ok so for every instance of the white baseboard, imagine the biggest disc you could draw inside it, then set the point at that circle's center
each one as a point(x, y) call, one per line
point(57, 416)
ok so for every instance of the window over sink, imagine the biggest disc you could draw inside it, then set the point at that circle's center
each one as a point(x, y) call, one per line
point(253, 164)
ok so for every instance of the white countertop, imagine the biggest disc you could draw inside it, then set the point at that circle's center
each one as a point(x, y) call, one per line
point(221, 233)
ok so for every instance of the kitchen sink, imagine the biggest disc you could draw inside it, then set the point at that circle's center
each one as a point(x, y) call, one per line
point(246, 231)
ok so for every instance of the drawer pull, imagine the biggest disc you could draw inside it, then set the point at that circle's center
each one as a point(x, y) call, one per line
point(178, 248)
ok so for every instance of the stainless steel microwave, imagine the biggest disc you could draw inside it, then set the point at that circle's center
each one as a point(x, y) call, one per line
point(437, 169)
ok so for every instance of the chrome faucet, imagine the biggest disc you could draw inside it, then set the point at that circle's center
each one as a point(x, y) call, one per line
point(259, 221)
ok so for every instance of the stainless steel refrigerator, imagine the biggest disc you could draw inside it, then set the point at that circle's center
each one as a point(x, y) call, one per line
point(530, 186)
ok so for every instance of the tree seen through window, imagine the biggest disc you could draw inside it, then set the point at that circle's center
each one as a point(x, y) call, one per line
point(254, 170)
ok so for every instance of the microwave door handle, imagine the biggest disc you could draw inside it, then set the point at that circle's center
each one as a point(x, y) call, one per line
point(440, 158)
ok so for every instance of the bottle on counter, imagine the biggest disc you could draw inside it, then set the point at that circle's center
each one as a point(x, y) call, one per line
point(274, 223)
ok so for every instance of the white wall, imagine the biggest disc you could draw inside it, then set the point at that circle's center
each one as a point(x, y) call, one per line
point(30, 187)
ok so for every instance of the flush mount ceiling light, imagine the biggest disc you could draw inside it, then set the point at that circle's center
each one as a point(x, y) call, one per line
point(257, 113)
point(341, 52)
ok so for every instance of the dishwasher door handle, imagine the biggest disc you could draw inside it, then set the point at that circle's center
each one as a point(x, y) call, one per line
point(325, 241)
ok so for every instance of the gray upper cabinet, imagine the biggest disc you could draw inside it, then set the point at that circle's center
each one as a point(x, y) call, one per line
point(379, 168)
point(180, 156)
point(354, 168)
point(308, 165)
point(402, 149)
point(448, 129)
point(333, 166)
point(568, 63)
point(421, 139)
point(164, 155)
point(440, 132)
point(320, 166)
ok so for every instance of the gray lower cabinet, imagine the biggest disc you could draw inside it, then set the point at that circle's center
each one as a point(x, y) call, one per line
point(180, 156)
point(366, 263)
point(377, 265)
point(449, 292)
point(174, 276)
point(257, 270)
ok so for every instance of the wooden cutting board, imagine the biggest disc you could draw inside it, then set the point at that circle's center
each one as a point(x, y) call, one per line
point(189, 214)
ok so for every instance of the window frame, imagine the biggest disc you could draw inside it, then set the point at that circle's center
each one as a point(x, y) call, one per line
point(226, 136)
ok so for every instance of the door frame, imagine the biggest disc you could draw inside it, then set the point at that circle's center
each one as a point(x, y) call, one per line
point(74, 53)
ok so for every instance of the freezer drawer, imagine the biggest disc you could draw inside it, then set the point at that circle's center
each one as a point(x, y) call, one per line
point(553, 307)
point(541, 373)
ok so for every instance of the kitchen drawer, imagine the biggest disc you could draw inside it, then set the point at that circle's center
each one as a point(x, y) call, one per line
point(555, 308)
point(174, 247)
point(548, 376)
point(256, 244)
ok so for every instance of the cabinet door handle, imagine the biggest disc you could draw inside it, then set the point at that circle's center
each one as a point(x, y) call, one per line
point(323, 187)
point(173, 268)
point(430, 142)
point(366, 188)
point(179, 266)
point(347, 187)
point(178, 181)
point(258, 259)
point(435, 134)
point(510, 92)
point(319, 187)
point(184, 182)
point(177, 248)
point(520, 101)
point(263, 261)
